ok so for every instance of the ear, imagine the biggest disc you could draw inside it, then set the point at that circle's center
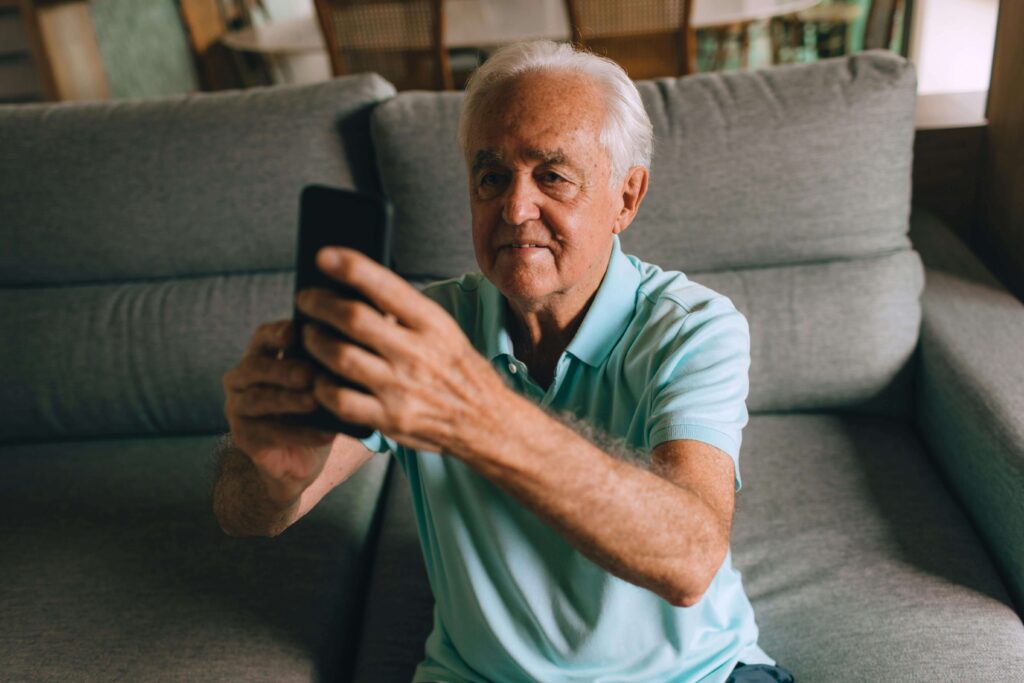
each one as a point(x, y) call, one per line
point(634, 187)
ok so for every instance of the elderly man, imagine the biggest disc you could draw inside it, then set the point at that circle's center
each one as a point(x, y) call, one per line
point(569, 418)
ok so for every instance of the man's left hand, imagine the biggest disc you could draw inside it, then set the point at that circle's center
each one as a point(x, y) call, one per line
point(424, 378)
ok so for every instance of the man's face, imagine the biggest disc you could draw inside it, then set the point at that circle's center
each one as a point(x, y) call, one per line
point(543, 211)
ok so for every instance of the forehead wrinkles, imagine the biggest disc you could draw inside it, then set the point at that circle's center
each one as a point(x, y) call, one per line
point(542, 102)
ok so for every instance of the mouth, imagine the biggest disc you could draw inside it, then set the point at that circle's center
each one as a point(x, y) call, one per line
point(524, 245)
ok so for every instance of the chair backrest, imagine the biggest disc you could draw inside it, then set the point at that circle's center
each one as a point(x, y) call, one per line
point(205, 26)
point(402, 40)
point(878, 32)
point(649, 38)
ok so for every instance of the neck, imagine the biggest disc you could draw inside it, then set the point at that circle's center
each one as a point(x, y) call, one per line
point(539, 333)
point(542, 329)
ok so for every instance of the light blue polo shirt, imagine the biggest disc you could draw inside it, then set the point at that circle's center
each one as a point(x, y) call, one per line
point(656, 358)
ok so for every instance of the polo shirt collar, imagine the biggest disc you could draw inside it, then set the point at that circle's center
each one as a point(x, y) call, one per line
point(610, 311)
point(497, 341)
point(602, 326)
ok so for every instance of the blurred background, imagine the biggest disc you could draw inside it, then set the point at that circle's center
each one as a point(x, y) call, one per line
point(98, 49)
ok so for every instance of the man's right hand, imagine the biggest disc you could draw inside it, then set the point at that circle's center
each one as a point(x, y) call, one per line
point(261, 389)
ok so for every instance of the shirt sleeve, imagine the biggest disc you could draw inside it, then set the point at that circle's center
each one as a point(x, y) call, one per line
point(700, 386)
point(378, 443)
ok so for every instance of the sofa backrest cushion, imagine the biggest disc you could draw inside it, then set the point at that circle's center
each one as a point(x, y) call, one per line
point(197, 185)
point(145, 241)
point(765, 175)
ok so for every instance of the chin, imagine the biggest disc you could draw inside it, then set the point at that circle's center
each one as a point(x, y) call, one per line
point(522, 288)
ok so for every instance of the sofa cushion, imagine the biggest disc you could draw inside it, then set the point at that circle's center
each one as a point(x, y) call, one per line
point(969, 398)
point(128, 358)
point(174, 187)
point(781, 165)
point(398, 614)
point(114, 568)
point(135, 253)
point(858, 563)
point(832, 335)
point(751, 169)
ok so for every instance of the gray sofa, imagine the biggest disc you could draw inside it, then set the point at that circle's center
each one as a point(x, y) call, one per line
point(880, 529)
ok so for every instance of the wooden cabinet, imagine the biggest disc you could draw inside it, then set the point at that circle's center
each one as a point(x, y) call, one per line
point(1000, 236)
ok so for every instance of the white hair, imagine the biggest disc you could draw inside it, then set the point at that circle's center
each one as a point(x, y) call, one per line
point(627, 134)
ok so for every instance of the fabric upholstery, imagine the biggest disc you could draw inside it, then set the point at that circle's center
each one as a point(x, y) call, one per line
point(128, 358)
point(970, 394)
point(114, 569)
point(424, 175)
point(789, 165)
point(135, 202)
point(776, 166)
point(174, 187)
point(122, 358)
point(859, 565)
point(399, 607)
point(836, 335)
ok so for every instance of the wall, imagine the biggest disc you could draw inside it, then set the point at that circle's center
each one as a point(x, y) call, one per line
point(951, 43)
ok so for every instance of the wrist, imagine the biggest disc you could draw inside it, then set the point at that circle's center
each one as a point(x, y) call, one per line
point(493, 428)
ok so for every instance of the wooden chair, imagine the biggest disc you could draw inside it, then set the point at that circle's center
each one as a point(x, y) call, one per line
point(649, 38)
point(218, 68)
point(879, 32)
point(402, 40)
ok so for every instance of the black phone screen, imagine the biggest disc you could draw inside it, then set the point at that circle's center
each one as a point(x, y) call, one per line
point(336, 217)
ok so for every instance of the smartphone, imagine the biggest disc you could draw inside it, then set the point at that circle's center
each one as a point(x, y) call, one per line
point(335, 217)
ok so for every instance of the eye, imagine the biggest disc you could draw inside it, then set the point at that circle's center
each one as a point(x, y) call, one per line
point(491, 182)
point(551, 178)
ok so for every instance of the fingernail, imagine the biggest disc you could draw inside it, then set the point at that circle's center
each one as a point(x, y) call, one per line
point(329, 257)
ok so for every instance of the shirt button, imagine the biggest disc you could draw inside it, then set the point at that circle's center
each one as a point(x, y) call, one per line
point(512, 368)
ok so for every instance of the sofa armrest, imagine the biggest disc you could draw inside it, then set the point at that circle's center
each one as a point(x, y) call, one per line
point(970, 391)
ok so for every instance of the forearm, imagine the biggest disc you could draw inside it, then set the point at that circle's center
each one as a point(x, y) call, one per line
point(241, 501)
point(626, 518)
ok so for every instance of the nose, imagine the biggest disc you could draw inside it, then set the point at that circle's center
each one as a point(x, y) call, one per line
point(521, 201)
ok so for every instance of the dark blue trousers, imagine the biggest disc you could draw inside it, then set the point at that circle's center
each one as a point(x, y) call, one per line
point(759, 673)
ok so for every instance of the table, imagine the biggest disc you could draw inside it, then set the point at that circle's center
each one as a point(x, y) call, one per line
point(476, 23)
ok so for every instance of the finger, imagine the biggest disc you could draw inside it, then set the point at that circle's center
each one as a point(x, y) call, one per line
point(348, 404)
point(262, 401)
point(267, 432)
point(356, 320)
point(385, 289)
point(294, 373)
point(346, 359)
point(271, 336)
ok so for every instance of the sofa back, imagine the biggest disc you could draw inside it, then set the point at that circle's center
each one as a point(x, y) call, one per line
point(143, 242)
point(786, 189)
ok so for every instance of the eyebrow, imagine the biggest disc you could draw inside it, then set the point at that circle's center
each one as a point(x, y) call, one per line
point(486, 158)
point(556, 156)
point(489, 157)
